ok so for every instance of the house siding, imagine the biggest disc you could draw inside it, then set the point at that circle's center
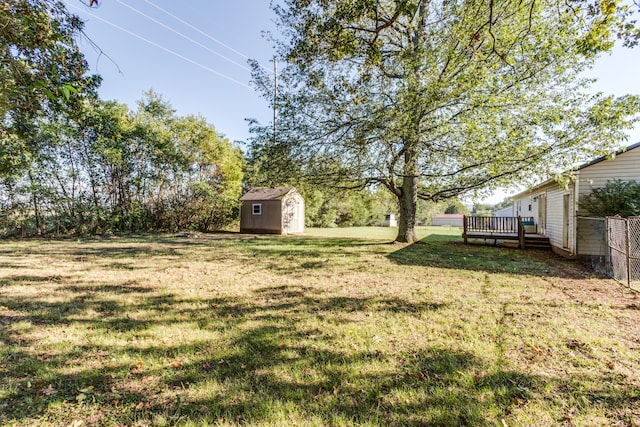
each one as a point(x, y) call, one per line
point(625, 166)
point(586, 236)
point(556, 220)
point(526, 206)
point(506, 211)
point(591, 232)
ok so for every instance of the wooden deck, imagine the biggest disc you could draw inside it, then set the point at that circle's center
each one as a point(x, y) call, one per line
point(503, 228)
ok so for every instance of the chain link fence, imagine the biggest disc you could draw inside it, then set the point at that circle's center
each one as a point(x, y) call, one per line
point(623, 237)
point(592, 247)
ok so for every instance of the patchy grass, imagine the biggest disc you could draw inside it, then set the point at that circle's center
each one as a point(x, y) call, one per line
point(335, 330)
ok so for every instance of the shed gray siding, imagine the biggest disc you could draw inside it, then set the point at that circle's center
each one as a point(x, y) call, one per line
point(278, 210)
point(269, 221)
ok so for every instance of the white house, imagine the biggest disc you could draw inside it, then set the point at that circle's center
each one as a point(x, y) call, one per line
point(555, 209)
point(506, 211)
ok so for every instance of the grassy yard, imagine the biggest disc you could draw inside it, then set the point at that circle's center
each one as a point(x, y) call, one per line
point(337, 328)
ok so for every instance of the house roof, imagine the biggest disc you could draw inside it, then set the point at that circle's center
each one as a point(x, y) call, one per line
point(585, 165)
point(449, 216)
point(262, 194)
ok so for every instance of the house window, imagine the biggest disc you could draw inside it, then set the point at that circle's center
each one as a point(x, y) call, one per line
point(256, 208)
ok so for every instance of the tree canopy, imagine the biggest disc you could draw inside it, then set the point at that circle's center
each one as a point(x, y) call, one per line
point(42, 71)
point(435, 99)
point(71, 163)
point(111, 169)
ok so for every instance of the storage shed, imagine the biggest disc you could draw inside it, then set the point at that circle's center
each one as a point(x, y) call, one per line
point(390, 220)
point(277, 210)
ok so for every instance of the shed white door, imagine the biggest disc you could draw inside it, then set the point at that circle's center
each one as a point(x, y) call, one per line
point(292, 217)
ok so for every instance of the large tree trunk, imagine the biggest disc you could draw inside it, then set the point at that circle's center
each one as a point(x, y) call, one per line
point(408, 199)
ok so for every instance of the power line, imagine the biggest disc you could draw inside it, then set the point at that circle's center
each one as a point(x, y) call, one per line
point(203, 33)
point(184, 36)
point(211, 70)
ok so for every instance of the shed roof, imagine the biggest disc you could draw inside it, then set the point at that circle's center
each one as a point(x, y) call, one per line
point(583, 166)
point(261, 194)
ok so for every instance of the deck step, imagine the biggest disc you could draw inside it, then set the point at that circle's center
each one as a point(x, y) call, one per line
point(537, 242)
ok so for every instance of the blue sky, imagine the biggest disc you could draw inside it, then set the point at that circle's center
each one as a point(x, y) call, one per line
point(195, 78)
point(190, 88)
point(237, 24)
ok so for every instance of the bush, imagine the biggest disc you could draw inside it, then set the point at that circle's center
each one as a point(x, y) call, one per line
point(617, 197)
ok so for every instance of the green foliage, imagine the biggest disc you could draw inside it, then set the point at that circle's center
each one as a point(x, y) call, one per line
point(116, 170)
point(347, 208)
point(433, 100)
point(42, 72)
point(617, 197)
point(72, 164)
point(457, 207)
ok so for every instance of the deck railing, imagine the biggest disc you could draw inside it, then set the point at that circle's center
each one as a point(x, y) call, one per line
point(521, 239)
point(493, 224)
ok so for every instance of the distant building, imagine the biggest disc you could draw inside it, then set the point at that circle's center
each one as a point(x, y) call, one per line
point(452, 220)
point(506, 211)
point(277, 210)
point(389, 221)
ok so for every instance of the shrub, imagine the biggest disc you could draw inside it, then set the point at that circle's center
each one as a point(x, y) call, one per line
point(617, 197)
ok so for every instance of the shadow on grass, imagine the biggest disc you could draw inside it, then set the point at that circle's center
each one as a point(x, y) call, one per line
point(441, 251)
point(270, 367)
point(277, 361)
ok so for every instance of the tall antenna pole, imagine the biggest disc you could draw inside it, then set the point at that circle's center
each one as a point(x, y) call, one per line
point(275, 97)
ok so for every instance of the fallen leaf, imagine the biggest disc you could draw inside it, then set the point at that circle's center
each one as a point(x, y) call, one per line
point(176, 364)
point(49, 390)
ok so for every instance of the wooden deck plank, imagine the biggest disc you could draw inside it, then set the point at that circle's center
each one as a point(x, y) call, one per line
point(491, 235)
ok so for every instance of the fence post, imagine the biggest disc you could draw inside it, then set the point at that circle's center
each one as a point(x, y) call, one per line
point(627, 233)
point(464, 228)
point(520, 232)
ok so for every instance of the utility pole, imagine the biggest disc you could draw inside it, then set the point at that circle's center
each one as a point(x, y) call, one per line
point(275, 97)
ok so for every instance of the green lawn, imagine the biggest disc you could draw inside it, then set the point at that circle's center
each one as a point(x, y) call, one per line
point(382, 233)
point(337, 327)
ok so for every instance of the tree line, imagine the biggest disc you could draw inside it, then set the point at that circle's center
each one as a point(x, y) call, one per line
point(107, 169)
point(428, 101)
point(71, 163)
